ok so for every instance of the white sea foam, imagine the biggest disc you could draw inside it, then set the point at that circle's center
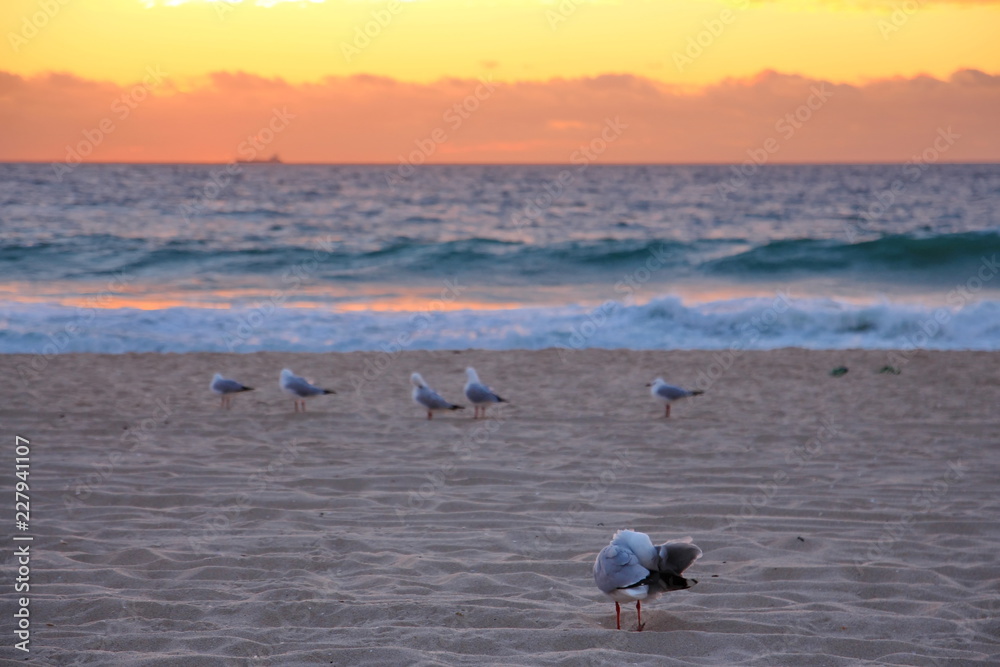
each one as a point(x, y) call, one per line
point(664, 323)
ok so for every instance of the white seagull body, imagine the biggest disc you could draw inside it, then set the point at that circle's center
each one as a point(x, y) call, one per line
point(429, 399)
point(668, 393)
point(299, 388)
point(479, 394)
point(226, 387)
point(632, 569)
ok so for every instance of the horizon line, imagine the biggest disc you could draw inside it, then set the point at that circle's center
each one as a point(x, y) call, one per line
point(845, 163)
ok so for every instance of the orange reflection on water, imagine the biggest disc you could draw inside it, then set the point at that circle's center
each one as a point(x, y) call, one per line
point(360, 299)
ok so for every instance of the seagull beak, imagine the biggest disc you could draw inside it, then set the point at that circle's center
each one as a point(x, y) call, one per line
point(649, 384)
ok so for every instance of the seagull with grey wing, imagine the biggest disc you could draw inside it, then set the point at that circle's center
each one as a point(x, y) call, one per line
point(300, 388)
point(226, 388)
point(479, 394)
point(632, 569)
point(429, 399)
point(668, 393)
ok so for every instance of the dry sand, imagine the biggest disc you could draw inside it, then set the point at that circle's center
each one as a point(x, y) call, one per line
point(845, 521)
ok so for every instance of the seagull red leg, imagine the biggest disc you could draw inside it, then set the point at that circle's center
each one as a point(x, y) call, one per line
point(638, 613)
point(618, 617)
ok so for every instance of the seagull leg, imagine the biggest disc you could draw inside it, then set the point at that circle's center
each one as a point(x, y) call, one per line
point(430, 415)
point(638, 613)
point(303, 405)
point(667, 411)
point(618, 617)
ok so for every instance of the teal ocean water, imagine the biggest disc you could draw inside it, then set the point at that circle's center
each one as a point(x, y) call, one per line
point(118, 258)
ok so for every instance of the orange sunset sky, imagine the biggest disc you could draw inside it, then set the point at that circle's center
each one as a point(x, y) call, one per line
point(483, 81)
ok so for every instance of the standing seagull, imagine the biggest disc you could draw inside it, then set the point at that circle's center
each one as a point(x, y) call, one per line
point(429, 399)
point(631, 568)
point(668, 393)
point(479, 394)
point(225, 387)
point(299, 388)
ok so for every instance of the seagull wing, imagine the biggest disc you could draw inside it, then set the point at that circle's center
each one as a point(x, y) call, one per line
point(618, 568)
point(300, 387)
point(431, 400)
point(479, 393)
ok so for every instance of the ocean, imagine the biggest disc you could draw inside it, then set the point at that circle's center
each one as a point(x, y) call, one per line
point(248, 257)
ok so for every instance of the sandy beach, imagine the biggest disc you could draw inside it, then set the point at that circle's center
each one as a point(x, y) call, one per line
point(844, 520)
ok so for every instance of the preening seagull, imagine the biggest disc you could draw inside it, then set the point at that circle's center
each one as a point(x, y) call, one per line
point(226, 387)
point(299, 388)
point(479, 394)
point(631, 569)
point(429, 399)
point(668, 393)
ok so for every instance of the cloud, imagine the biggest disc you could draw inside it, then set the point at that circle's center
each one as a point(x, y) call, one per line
point(376, 119)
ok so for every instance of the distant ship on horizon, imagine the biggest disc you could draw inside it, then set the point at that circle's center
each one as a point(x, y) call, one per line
point(274, 159)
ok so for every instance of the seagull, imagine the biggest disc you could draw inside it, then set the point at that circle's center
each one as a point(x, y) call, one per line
point(668, 393)
point(631, 568)
point(299, 388)
point(429, 399)
point(479, 394)
point(225, 387)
